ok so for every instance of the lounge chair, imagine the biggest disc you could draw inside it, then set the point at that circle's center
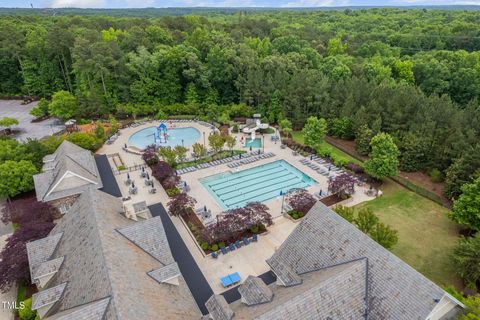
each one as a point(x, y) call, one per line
point(226, 281)
point(245, 241)
point(231, 247)
point(255, 238)
point(224, 250)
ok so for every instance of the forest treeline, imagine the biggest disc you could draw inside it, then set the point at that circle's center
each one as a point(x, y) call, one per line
point(412, 73)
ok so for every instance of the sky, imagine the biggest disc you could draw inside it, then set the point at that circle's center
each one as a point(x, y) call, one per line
point(222, 3)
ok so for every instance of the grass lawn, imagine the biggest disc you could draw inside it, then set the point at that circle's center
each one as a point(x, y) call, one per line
point(426, 237)
point(334, 151)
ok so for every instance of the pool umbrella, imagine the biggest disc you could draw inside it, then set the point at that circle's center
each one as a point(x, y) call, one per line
point(320, 193)
point(311, 157)
point(128, 176)
point(143, 169)
point(205, 208)
point(152, 184)
point(133, 184)
point(185, 184)
point(250, 148)
point(148, 177)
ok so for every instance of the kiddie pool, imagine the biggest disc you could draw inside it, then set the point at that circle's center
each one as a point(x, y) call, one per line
point(145, 137)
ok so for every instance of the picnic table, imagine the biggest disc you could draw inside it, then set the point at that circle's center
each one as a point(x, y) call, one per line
point(230, 280)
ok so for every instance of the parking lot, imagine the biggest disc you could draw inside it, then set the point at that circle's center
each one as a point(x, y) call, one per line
point(27, 129)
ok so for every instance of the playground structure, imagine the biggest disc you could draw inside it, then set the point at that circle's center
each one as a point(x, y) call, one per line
point(253, 125)
point(161, 136)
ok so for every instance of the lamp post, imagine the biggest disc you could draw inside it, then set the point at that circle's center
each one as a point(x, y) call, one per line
point(182, 143)
point(204, 144)
point(263, 143)
point(283, 199)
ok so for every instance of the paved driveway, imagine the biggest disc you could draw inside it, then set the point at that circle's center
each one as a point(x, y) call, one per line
point(37, 130)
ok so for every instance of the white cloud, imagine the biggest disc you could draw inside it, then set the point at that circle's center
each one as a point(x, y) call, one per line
point(140, 4)
point(317, 3)
point(78, 4)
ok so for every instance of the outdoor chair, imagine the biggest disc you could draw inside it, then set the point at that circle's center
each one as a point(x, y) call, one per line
point(231, 247)
point(224, 250)
point(152, 191)
point(255, 238)
point(245, 241)
point(214, 255)
point(238, 244)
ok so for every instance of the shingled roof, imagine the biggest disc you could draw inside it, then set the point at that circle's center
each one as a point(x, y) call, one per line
point(254, 291)
point(66, 172)
point(324, 239)
point(218, 308)
point(329, 269)
point(100, 263)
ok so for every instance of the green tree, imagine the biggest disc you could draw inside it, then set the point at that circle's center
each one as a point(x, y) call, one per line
point(363, 138)
point(466, 257)
point(314, 132)
point(199, 150)
point(348, 213)
point(100, 131)
point(8, 122)
point(403, 70)
point(230, 142)
point(366, 221)
point(383, 160)
point(216, 142)
point(26, 313)
point(285, 126)
point(168, 155)
point(384, 235)
point(85, 140)
point(466, 209)
point(472, 311)
point(16, 177)
point(181, 152)
point(41, 109)
point(63, 105)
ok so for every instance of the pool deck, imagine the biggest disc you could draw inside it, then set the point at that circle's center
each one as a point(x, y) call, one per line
point(249, 260)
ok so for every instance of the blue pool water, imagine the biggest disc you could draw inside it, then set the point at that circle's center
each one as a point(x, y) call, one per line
point(145, 137)
point(255, 143)
point(262, 183)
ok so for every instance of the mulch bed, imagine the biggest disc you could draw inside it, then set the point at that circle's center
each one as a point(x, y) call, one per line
point(331, 200)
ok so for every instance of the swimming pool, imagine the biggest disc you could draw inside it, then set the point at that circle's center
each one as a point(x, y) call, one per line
point(261, 183)
point(255, 143)
point(145, 137)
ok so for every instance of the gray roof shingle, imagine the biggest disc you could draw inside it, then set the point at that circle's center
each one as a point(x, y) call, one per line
point(165, 273)
point(68, 171)
point(47, 267)
point(40, 251)
point(285, 275)
point(100, 262)
point(218, 308)
point(150, 236)
point(254, 291)
point(91, 311)
point(48, 296)
point(324, 239)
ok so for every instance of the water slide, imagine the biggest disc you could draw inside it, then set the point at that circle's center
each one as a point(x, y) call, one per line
point(251, 128)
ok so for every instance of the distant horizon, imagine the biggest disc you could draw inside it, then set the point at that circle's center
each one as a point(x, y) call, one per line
point(227, 4)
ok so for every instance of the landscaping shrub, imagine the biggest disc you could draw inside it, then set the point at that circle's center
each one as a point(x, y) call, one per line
point(214, 247)
point(254, 229)
point(121, 167)
point(235, 128)
point(301, 201)
point(296, 214)
point(161, 115)
point(150, 156)
point(324, 151)
point(172, 192)
point(356, 168)
point(339, 161)
point(435, 174)
point(26, 313)
point(221, 244)
point(204, 245)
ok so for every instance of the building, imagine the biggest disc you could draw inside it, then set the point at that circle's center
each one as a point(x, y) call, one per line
point(98, 264)
point(329, 269)
point(65, 174)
